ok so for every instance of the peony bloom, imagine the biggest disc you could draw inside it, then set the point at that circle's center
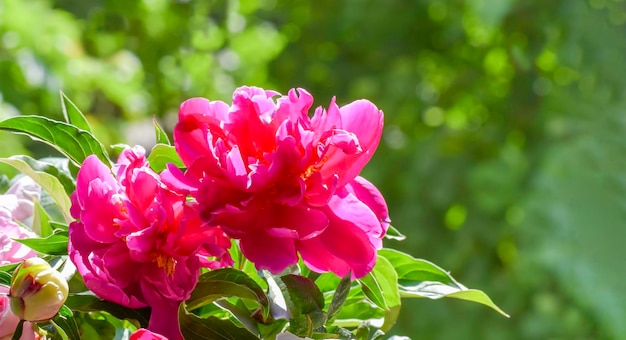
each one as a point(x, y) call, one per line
point(16, 204)
point(138, 243)
point(282, 182)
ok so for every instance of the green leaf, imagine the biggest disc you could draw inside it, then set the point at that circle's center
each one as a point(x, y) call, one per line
point(47, 182)
point(55, 244)
point(65, 323)
point(304, 302)
point(75, 143)
point(161, 135)
point(240, 313)
point(55, 166)
point(58, 226)
point(301, 294)
point(394, 234)
point(227, 282)
point(5, 278)
point(419, 278)
point(161, 155)
point(91, 303)
point(41, 220)
point(381, 287)
point(339, 297)
point(9, 267)
point(72, 114)
point(193, 327)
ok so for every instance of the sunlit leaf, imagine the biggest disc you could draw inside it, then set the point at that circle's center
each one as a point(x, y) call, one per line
point(161, 135)
point(72, 114)
point(41, 220)
point(394, 234)
point(47, 182)
point(420, 278)
point(163, 154)
point(54, 244)
point(75, 143)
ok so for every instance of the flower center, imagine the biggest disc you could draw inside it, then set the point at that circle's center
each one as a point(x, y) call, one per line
point(165, 262)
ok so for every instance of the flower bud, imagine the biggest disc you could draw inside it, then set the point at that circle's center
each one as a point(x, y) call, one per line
point(37, 291)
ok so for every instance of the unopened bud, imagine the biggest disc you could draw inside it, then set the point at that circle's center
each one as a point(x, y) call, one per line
point(37, 291)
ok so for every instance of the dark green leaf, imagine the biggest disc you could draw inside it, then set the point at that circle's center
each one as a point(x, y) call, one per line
point(301, 294)
point(55, 244)
point(5, 278)
point(75, 143)
point(66, 322)
point(73, 115)
point(240, 313)
point(339, 297)
point(195, 328)
point(420, 278)
point(161, 155)
point(227, 282)
point(372, 290)
point(161, 135)
point(91, 303)
point(49, 183)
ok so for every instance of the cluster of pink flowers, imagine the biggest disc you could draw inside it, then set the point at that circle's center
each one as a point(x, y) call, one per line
point(262, 171)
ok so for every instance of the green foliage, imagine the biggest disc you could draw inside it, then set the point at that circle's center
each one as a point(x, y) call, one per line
point(501, 157)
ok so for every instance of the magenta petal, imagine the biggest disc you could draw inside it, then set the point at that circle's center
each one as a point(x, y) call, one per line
point(198, 118)
point(364, 120)
point(367, 193)
point(271, 253)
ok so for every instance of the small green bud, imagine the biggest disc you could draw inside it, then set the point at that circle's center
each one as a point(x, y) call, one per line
point(37, 291)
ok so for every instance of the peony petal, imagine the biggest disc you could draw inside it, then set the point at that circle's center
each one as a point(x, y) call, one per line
point(367, 193)
point(199, 121)
point(267, 252)
point(364, 120)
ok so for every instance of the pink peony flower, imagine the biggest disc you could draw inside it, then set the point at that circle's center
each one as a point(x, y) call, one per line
point(16, 205)
point(138, 243)
point(282, 182)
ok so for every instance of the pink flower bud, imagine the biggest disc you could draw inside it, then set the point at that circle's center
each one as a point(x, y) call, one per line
point(37, 291)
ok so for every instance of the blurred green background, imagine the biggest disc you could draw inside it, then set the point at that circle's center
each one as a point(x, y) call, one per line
point(504, 153)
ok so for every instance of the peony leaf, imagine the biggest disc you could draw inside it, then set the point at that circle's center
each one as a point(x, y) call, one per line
point(65, 324)
point(301, 294)
point(381, 287)
point(5, 278)
point(70, 140)
point(195, 327)
point(41, 220)
point(49, 183)
point(394, 234)
point(161, 135)
point(419, 278)
point(91, 303)
point(72, 114)
point(54, 244)
point(339, 297)
point(161, 155)
point(227, 282)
